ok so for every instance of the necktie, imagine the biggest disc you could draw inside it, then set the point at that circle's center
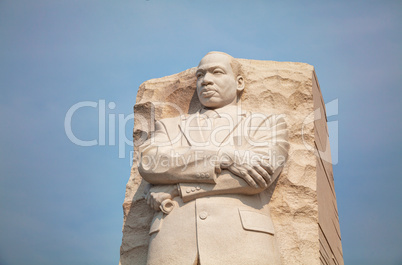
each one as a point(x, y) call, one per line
point(207, 123)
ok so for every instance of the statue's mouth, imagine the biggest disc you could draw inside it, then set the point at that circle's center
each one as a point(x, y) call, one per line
point(208, 92)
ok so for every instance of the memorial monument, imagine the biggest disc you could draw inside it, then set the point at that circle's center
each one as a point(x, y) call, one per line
point(206, 187)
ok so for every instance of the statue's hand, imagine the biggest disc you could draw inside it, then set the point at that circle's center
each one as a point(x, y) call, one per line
point(256, 175)
point(158, 193)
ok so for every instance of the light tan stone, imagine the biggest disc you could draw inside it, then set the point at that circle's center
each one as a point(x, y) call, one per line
point(303, 203)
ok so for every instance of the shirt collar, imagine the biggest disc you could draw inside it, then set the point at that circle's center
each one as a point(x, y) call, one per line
point(232, 110)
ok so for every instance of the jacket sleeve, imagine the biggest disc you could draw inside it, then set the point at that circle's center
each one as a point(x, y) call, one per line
point(265, 140)
point(163, 162)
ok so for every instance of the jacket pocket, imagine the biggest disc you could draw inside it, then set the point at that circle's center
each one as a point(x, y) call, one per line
point(156, 223)
point(255, 221)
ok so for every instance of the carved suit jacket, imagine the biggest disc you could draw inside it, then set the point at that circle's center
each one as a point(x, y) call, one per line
point(218, 216)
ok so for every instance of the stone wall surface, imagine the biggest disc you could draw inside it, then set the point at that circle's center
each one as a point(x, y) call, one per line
point(303, 204)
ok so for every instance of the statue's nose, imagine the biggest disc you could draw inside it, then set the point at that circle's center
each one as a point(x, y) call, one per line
point(207, 80)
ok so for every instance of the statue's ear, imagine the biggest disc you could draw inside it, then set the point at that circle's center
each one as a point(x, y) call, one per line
point(240, 83)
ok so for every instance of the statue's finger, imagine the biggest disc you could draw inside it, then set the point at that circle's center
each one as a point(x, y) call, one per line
point(250, 181)
point(256, 176)
point(263, 173)
point(267, 167)
point(235, 170)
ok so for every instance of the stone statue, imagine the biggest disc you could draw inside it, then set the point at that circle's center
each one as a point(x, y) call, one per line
point(207, 171)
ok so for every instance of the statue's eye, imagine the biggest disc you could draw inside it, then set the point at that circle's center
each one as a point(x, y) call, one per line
point(199, 74)
point(218, 72)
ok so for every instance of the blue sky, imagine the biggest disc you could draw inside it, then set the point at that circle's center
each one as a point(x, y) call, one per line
point(61, 203)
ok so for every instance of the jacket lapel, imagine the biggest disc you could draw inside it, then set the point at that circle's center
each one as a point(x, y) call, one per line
point(233, 131)
point(191, 130)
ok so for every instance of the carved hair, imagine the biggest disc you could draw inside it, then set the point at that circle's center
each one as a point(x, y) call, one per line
point(234, 63)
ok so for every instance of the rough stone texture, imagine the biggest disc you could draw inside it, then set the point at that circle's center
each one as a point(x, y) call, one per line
point(303, 204)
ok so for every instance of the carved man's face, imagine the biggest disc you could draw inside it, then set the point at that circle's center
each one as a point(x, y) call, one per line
point(216, 84)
